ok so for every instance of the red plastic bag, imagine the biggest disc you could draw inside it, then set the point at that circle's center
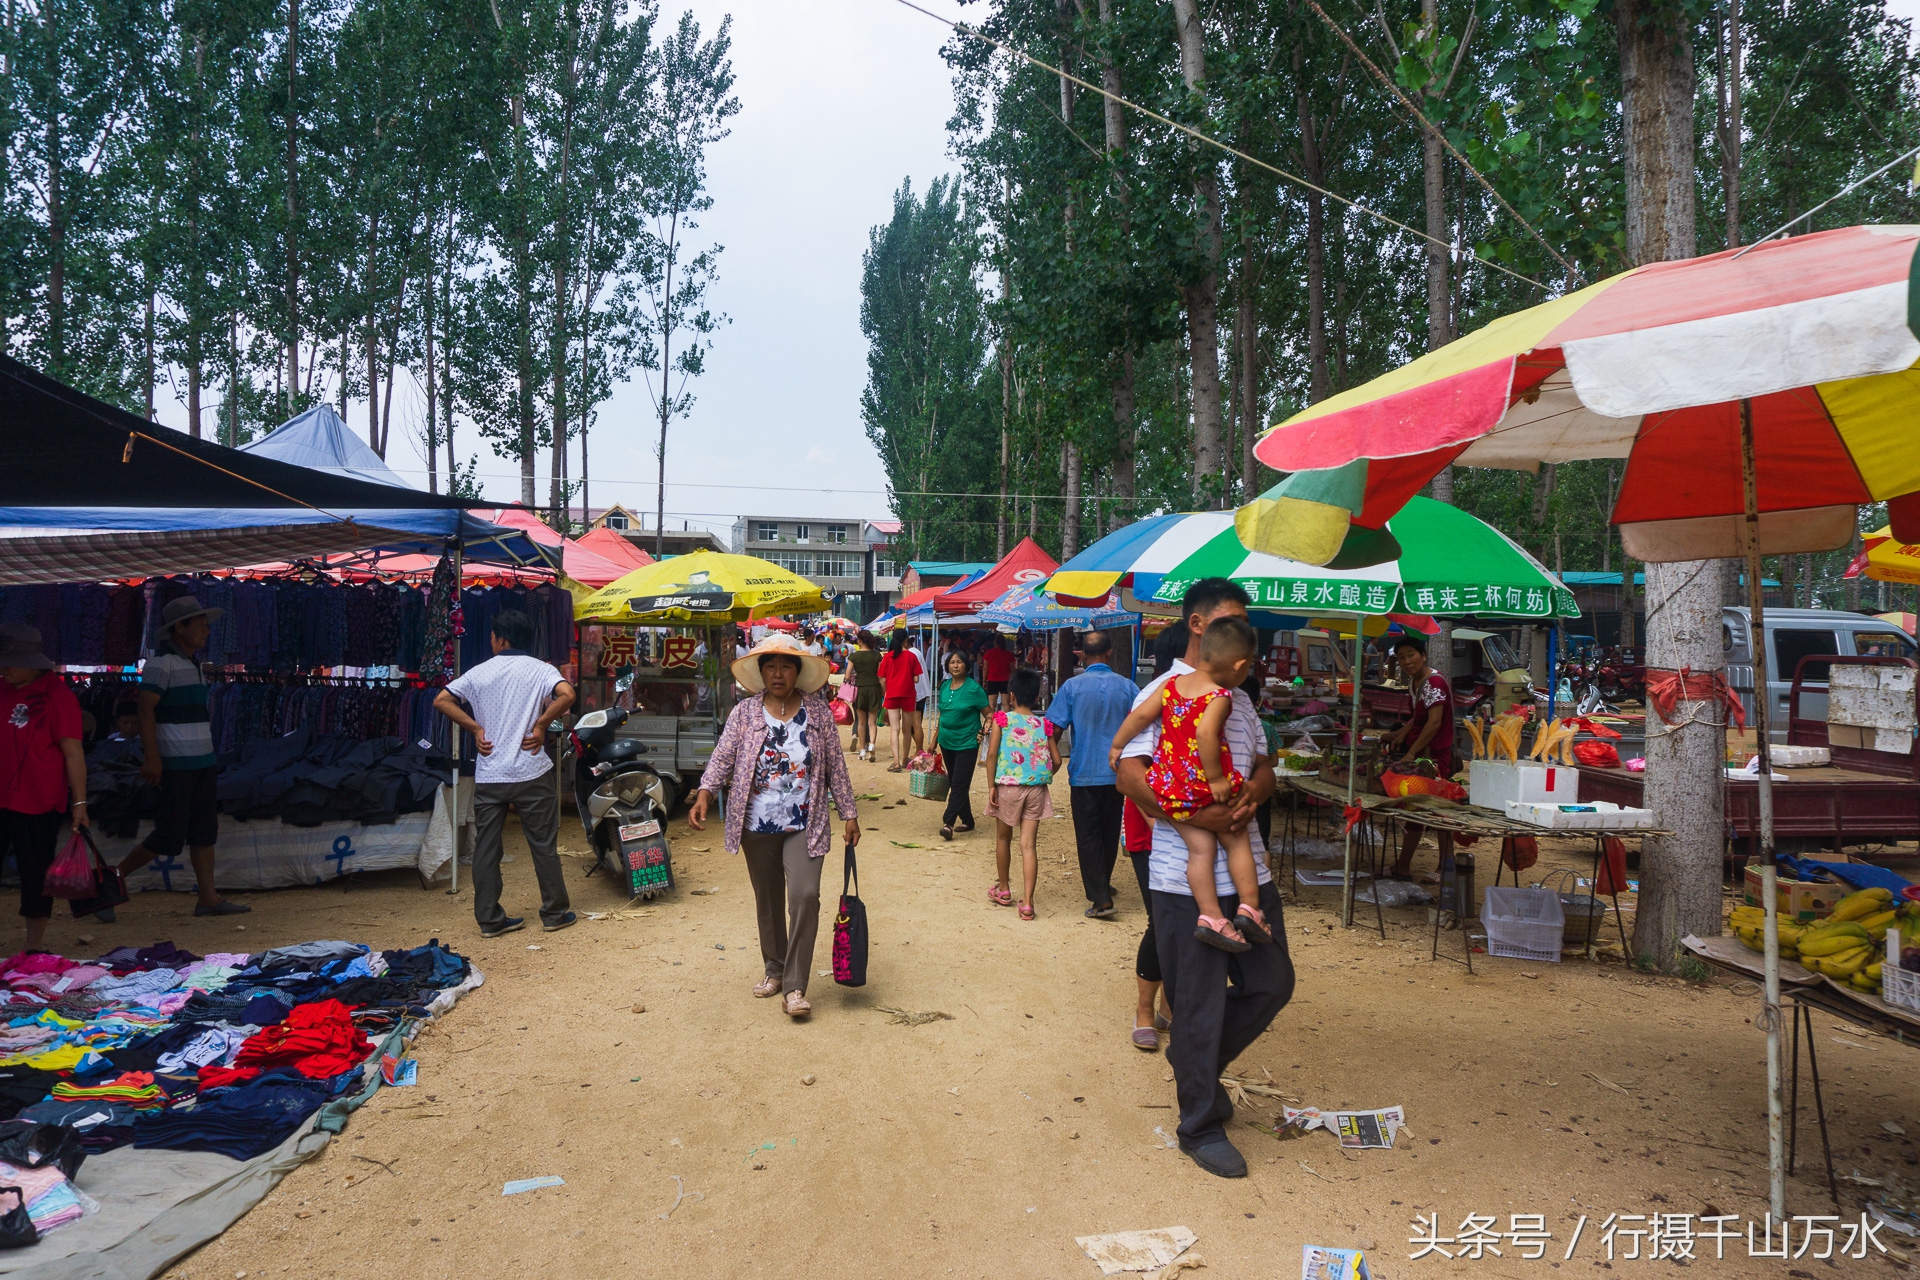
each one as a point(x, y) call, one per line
point(1613, 869)
point(1599, 755)
point(842, 712)
point(1519, 852)
point(71, 875)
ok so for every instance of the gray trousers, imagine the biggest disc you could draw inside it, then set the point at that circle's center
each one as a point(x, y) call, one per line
point(786, 896)
point(539, 810)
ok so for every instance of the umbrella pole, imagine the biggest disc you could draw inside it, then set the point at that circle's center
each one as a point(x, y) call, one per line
point(453, 738)
point(1353, 763)
point(1769, 875)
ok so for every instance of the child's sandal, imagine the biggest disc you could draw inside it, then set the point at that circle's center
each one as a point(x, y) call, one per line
point(1026, 911)
point(1253, 924)
point(998, 896)
point(1216, 932)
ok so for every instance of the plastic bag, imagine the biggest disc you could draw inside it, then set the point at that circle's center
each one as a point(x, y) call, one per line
point(71, 875)
point(926, 762)
point(1394, 893)
point(1519, 852)
point(1613, 868)
point(1598, 755)
point(842, 712)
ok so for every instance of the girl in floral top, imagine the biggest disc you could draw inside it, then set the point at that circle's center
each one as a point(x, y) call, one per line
point(1020, 766)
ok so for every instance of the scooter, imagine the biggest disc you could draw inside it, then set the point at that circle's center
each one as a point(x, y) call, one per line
point(623, 801)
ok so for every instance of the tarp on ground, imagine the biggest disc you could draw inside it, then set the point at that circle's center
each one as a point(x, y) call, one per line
point(157, 1206)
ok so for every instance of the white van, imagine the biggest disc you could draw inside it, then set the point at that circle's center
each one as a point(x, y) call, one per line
point(1793, 634)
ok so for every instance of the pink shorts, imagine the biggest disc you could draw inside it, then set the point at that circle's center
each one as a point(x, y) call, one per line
point(1014, 805)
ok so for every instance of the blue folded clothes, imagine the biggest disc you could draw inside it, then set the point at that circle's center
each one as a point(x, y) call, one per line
point(243, 1121)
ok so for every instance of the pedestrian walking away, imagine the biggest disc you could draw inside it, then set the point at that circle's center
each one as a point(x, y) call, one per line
point(1222, 1001)
point(43, 774)
point(868, 696)
point(1019, 772)
point(996, 664)
point(779, 760)
point(510, 700)
point(900, 672)
point(960, 707)
point(176, 744)
point(1093, 704)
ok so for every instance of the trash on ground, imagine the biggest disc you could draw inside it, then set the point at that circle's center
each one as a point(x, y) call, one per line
point(1355, 1129)
point(907, 1019)
point(1395, 893)
point(905, 844)
point(701, 893)
point(518, 1185)
point(1326, 879)
point(398, 1072)
point(1321, 1263)
point(1120, 1251)
point(681, 1192)
point(1162, 1135)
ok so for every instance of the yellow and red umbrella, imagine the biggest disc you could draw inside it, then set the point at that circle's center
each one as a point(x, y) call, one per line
point(1885, 558)
point(1651, 366)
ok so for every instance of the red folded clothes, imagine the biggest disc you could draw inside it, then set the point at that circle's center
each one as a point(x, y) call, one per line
point(212, 1077)
point(318, 1040)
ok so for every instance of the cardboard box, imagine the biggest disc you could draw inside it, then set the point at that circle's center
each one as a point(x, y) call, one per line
point(1894, 741)
point(1492, 783)
point(1801, 900)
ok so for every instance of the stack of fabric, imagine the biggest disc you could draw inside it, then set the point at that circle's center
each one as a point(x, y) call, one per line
point(162, 1048)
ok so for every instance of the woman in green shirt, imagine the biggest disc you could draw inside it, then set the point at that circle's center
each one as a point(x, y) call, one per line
point(960, 707)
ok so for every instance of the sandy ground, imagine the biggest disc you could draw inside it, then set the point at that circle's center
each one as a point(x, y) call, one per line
point(982, 1145)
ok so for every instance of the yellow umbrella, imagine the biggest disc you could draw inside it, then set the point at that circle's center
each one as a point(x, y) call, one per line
point(1888, 559)
point(705, 587)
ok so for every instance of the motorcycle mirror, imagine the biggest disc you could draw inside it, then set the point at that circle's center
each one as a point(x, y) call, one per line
point(623, 683)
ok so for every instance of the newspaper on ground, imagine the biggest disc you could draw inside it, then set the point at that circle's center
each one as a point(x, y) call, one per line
point(1120, 1251)
point(1321, 1263)
point(1355, 1129)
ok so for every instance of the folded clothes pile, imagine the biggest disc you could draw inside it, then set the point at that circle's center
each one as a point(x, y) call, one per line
point(161, 1048)
point(302, 778)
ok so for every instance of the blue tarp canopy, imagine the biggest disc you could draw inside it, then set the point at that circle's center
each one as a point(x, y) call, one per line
point(92, 492)
point(1018, 607)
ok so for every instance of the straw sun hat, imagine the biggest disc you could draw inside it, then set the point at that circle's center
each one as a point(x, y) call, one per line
point(746, 668)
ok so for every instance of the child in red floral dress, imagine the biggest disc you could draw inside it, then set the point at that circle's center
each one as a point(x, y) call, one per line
point(1192, 769)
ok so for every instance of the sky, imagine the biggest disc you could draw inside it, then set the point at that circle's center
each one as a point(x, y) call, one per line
point(839, 101)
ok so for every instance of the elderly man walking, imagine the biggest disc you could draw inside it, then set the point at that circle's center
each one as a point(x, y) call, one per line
point(1093, 704)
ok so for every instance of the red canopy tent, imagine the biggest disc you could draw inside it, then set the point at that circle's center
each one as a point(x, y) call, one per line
point(609, 545)
point(580, 563)
point(1024, 565)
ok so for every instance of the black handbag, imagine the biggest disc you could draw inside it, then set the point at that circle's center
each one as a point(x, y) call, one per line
point(850, 930)
point(28, 1144)
point(16, 1228)
point(109, 890)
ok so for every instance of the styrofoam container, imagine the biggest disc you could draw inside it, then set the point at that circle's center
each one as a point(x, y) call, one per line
point(1787, 757)
point(1523, 924)
point(1492, 783)
point(1605, 817)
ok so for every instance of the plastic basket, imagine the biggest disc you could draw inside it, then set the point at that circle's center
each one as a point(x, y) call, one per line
point(1898, 986)
point(1523, 924)
point(927, 785)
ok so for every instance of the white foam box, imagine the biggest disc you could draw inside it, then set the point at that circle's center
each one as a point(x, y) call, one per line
point(1492, 784)
point(1605, 817)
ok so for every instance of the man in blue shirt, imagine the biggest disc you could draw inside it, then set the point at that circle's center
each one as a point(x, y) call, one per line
point(1093, 704)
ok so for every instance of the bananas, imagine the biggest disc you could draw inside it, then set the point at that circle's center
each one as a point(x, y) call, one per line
point(1847, 946)
point(1866, 902)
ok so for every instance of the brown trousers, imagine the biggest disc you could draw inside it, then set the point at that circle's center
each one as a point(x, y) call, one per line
point(786, 897)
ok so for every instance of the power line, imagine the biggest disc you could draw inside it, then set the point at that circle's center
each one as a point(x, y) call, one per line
point(962, 28)
point(779, 488)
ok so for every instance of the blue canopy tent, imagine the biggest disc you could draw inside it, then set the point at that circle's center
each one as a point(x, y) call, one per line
point(93, 492)
point(1020, 607)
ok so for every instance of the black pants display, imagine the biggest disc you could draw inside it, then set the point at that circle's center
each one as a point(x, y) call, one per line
point(960, 766)
point(1146, 964)
point(539, 810)
point(1096, 832)
point(1221, 1004)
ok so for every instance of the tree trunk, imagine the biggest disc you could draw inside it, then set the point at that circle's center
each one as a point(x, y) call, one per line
point(1319, 384)
point(446, 383)
point(1203, 295)
point(560, 417)
point(1680, 874)
point(148, 370)
point(432, 441)
point(1246, 331)
point(1727, 64)
point(1440, 652)
point(1121, 388)
point(1070, 514)
point(1123, 436)
point(233, 379)
point(1006, 406)
point(56, 238)
point(293, 203)
point(1439, 293)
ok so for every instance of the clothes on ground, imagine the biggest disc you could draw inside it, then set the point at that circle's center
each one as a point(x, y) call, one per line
point(782, 776)
point(34, 718)
point(1025, 759)
point(506, 693)
point(960, 714)
point(1093, 704)
point(1247, 745)
point(1178, 778)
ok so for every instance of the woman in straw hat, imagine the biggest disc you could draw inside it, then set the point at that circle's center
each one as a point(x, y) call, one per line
point(779, 758)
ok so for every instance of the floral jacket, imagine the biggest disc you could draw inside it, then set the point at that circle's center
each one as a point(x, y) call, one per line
point(738, 752)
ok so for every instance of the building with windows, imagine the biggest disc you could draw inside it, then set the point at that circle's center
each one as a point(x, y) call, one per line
point(630, 525)
point(850, 558)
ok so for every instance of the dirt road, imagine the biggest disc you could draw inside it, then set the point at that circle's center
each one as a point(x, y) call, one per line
point(982, 1143)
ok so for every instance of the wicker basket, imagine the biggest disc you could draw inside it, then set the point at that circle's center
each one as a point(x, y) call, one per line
point(927, 784)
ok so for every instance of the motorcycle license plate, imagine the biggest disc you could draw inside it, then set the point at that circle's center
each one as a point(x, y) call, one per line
point(639, 830)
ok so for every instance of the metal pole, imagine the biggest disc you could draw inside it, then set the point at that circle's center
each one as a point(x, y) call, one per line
point(1353, 763)
point(1769, 874)
point(1553, 670)
point(453, 798)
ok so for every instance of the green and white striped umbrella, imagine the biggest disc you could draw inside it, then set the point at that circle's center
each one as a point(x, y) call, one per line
point(1451, 564)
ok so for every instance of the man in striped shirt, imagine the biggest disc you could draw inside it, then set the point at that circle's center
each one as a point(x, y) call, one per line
point(176, 742)
point(1221, 1003)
